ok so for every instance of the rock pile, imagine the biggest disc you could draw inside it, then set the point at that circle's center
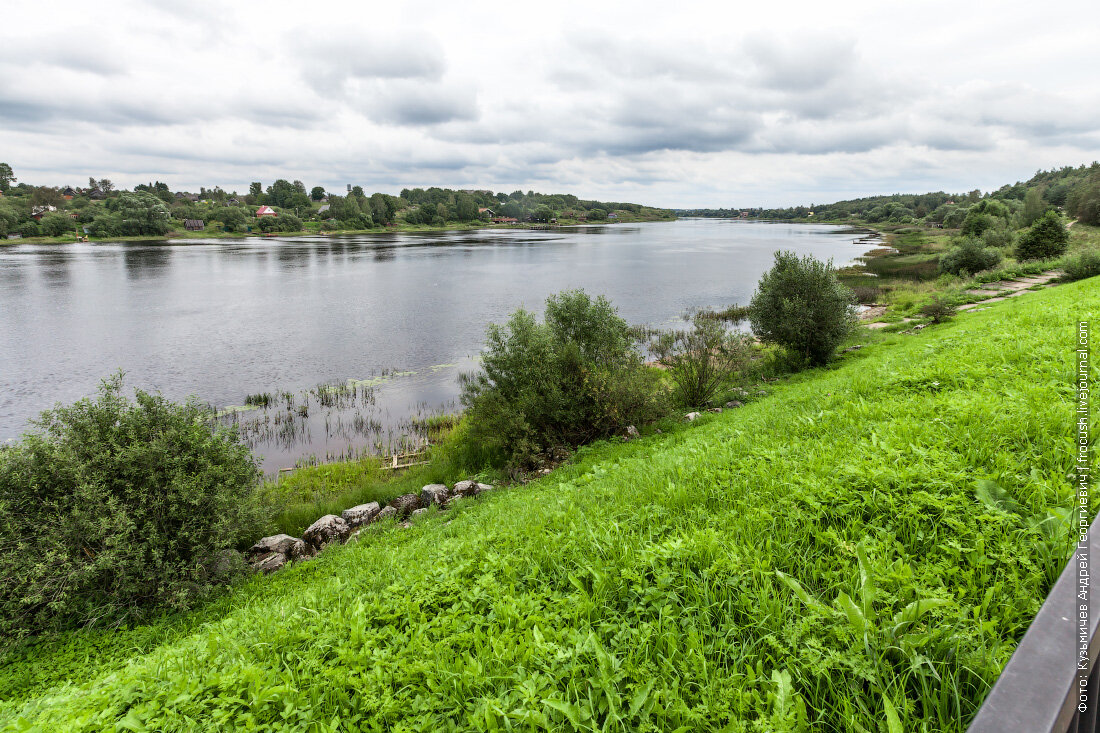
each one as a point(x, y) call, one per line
point(272, 553)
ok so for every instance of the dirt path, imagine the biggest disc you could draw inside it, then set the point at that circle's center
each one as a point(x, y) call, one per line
point(989, 293)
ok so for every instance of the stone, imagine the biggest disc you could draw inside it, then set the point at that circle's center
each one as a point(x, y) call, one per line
point(481, 488)
point(632, 432)
point(691, 416)
point(714, 409)
point(733, 404)
point(406, 503)
point(277, 543)
point(300, 550)
point(388, 512)
point(269, 563)
point(326, 530)
point(465, 488)
point(419, 512)
point(405, 525)
point(357, 516)
point(433, 494)
point(545, 471)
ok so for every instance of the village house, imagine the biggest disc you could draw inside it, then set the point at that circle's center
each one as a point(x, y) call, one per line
point(485, 210)
point(68, 193)
point(194, 225)
point(266, 210)
point(505, 220)
point(39, 211)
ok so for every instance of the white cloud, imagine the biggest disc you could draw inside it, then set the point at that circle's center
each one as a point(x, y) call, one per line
point(694, 104)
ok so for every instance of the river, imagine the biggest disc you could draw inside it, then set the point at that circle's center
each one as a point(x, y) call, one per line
point(396, 316)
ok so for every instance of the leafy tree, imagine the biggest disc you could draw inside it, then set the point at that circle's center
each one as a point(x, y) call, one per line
point(7, 177)
point(543, 214)
point(141, 213)
point(299, 187)
point(54, 225)
point(231, 217)
point(975, 223)
point(28, 229)
point(1033, 206)
point(574, 378)
point(255, 192)
point(1046, 238)
point(969, 257)
point(281, 223)
point(465, 207)
point(701, 359)
point(106, 186)
point(112, 508)
point(357, 192)
point(801, 305)
point(597, 215)
point(46, 196)
point(317, 193)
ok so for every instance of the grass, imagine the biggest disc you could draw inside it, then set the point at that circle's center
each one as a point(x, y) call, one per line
point(755, 570)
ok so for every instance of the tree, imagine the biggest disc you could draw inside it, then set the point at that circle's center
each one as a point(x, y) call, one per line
point(465, 208)
point(141, 213)
point(54, 225)
point(1033, 206)
point(801, 305)
point(46, 196)
point(112, 508)
point(597, 215)
point(299, 187)
point(1046, 238)
point(7, 177)
point(317, 193)
point(106, 186)
point(256, 192)
point(569, 380)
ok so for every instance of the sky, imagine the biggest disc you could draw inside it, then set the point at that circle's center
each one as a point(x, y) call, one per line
point(676, 104)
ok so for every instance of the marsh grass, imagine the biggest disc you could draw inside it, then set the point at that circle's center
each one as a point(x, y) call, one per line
point(860, 548)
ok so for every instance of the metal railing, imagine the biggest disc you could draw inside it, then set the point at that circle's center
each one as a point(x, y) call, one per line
point(1038, 691)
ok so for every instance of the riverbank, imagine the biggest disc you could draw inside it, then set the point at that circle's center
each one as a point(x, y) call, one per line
point(657, 569)
point(319, 229)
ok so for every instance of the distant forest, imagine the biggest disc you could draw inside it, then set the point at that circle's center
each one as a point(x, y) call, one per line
point(100, 210)
point(1076, 191)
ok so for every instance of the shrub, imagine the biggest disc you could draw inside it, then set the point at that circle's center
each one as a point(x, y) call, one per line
point(567, 381)
point(1046, 238)
point(969, 256)
point(939, 309)
point(28, 229)
point(800, 305)
point(113, 508)
point(701, 359)
point(975, 223)
point(1082, 265)
point(54, 225)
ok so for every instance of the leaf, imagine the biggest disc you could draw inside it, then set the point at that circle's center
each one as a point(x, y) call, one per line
point(575, 715)
point(805, 597)
point(866, 581)
point(916, 609)
point(640, 697)
point(854, 614)
point(992, 495)
point(893, 722)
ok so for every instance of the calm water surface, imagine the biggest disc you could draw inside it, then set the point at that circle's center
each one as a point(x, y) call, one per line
point(222, 320)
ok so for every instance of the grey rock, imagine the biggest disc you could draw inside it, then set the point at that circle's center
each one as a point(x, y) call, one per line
point(714, 409)
point(465, 488)
point(433, 494)
point(300, 550)
point(326, 530)
point(631, 431)
point(357, 516)
point(692, 416)
point(388, 512)
point(406, 503)
point(405, 525)
point(419, 512)
point(278, 543)
point(732, 404)
point(269, 563)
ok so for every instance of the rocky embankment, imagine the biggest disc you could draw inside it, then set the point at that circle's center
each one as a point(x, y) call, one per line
point(274, 552)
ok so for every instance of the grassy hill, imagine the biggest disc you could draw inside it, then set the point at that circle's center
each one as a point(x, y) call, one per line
point(753, 571)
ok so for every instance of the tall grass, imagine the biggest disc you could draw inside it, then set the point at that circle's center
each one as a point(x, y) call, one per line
point(755, 571)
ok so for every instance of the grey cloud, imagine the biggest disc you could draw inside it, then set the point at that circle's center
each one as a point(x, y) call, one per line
point(410, 103)
point(800, 64)
point(330, 62)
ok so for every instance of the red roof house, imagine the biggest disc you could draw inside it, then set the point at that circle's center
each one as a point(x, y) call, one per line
point(266, 211)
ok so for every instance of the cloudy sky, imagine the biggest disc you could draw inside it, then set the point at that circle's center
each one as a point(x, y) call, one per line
point(670, 103)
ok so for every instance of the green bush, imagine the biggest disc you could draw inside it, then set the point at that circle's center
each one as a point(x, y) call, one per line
point(800, 305)
point(543, 386)
point(28, 229)
point(113, 508)
point(700, 360)
point(54, 225)
point(939, 309)
point(969, 256)
point(1082, 265)
point(1046, 238)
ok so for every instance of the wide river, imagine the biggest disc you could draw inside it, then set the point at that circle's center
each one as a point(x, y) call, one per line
point(397, 316)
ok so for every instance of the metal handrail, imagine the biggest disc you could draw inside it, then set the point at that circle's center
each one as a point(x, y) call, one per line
point(1038, 690)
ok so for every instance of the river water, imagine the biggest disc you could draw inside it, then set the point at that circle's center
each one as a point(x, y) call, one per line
point(352, 336)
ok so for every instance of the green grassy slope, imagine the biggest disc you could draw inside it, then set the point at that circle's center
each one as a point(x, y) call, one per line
point(637, 589)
